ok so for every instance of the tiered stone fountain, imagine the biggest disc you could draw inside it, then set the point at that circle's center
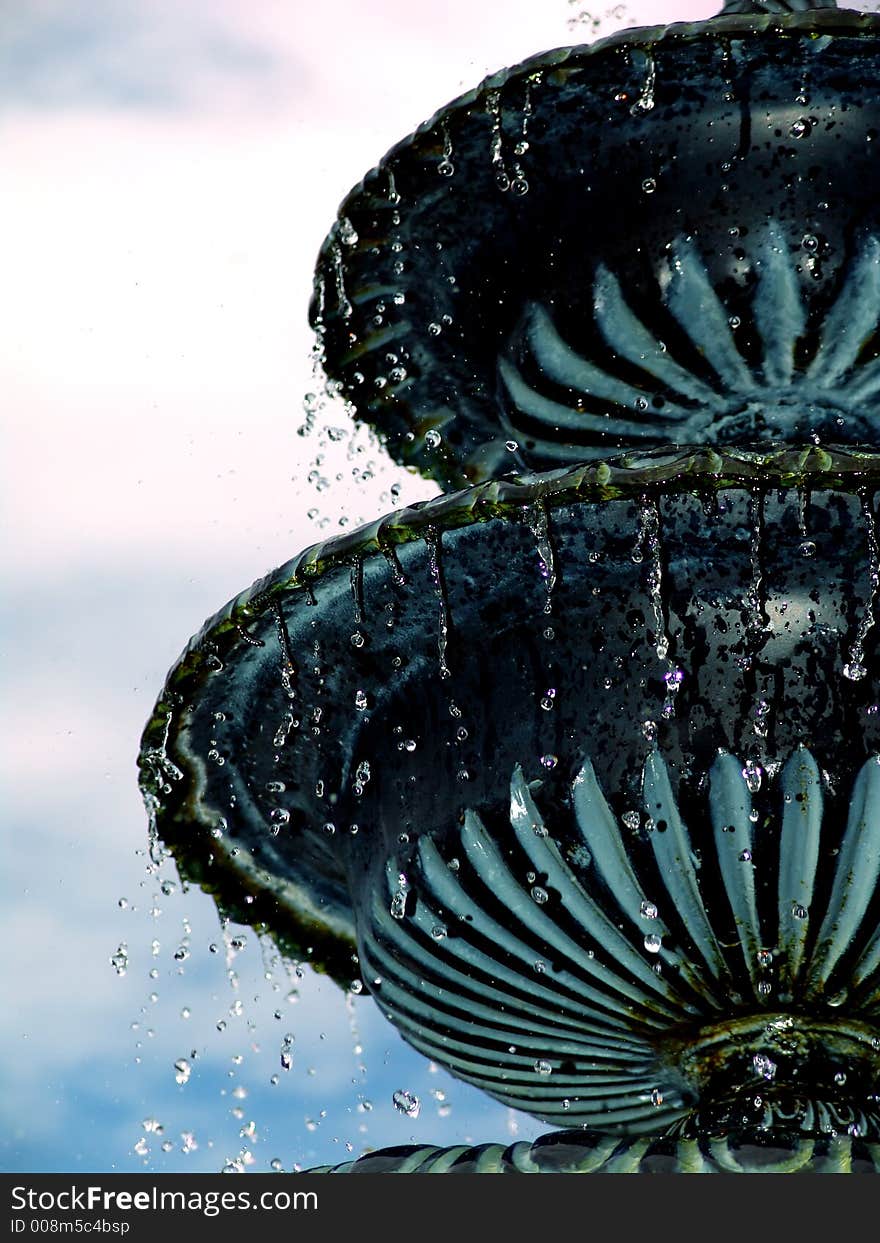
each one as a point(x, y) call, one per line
point(580, 761)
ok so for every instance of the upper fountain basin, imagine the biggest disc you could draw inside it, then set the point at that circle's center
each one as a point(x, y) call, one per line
point(671, 236)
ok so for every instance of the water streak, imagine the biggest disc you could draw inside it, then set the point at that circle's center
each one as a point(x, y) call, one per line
point(288, 668)
point(645, 101)
point(649, 545)
point(345, 307)
point(433, 540)
point(855, 668)
point(502, 177)
point(357, 589)
point(539, 522)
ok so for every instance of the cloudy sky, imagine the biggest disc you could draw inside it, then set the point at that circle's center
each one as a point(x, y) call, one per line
point(171, 167)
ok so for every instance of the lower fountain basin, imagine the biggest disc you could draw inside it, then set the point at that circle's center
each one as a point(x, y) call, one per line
point(571, 772)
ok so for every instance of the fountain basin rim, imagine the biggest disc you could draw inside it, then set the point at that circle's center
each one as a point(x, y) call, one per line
point(306, 928)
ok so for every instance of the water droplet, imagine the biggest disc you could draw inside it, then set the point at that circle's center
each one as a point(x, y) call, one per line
point(753, 775)
point(648, 910)
point(764, 958)
point(119, 961)
point(854, 670)
point(539, 894)
point(549, 761)
point(406, 1103)
point(543, 1067)
point(653, 942)
point(745, 856)
point(182, 1070)
point(433, 439)
point(398, 898)
point(347, 233)
point(800, 128)
point(649, 185)
point(798, 911)
point(656, 1098)
point(438, 932)
point(764, 1066)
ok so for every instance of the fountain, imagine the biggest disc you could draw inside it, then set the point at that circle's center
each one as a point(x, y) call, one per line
point(580, 763)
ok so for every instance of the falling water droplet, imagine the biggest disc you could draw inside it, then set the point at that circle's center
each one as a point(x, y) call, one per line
point(753, 775)
point(406, 1102)
point(347, 234)
point(398, 898)
point(764, 1066)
